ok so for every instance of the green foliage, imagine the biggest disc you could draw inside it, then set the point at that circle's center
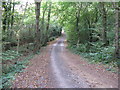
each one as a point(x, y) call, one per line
point(52, 38)
point(24, 27)
point(82, 22)
point(72, 40)
point(55, 30)
point(87, 40)
point(96, 54)
point(10, 55)
point(11, 65)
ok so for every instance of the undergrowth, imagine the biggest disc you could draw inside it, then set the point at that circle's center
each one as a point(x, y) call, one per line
point(12, 63)
point(97, 54)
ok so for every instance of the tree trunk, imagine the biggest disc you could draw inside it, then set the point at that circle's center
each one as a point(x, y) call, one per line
point(12, 17)
point(79, 6)
point(4, 16)
point(77, 21)
point(42, 26)
point(78, 17)
point(117, 31)
point(44, 14)
point(104, 22)
point(37, 33)
point(47, 28)
point(9, 17)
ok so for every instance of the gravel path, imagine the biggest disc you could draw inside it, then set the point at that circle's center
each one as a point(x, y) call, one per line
point(57, 67)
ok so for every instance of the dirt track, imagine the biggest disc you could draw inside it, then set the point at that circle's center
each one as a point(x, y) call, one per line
point(57, 67)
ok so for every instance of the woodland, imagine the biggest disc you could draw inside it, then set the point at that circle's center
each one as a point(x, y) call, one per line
point(92, 30)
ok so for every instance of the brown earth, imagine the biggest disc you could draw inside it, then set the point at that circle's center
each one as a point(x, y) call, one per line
point(41, 74)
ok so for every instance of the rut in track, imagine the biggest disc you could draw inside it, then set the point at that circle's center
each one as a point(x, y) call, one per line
point(57, 67)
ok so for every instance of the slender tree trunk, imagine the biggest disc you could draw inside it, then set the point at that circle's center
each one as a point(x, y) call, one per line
point(96, 15)
point(78, 17)
point(48, 22)
point(43, 27)
point(49, 12)
point(18, 31)
point(104, 22)
point(79, 6)
point(9, 17)
point(18, 42)
point(44, 14)
point(4, 16)
point(12, 17)
point(77, 20)
point(117, 31)
point(37, 33)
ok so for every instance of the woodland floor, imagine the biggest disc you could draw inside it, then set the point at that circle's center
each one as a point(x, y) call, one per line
point(57, 67)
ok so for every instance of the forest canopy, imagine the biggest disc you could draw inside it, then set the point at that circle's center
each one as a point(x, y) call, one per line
point(92, 29)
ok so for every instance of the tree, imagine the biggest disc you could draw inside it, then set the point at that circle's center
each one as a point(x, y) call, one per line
point(37, 33)
point(117, 31)
point(8, 17)
point(43, 41)
point(43, 17)
point(79, 6)
point(104, 22)
point(48, 20)
point(12, 16)
point(4, 16)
